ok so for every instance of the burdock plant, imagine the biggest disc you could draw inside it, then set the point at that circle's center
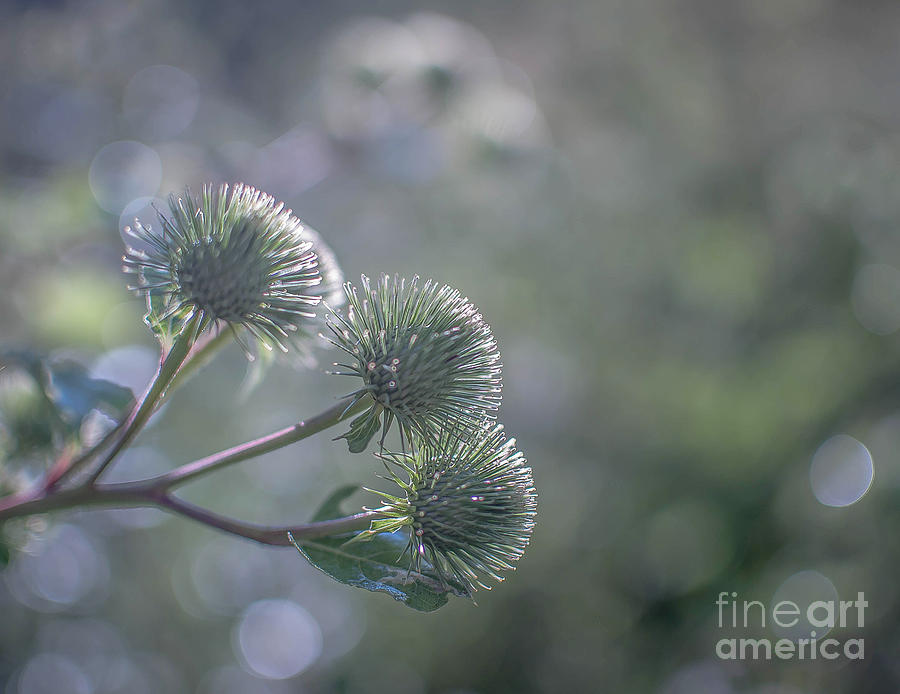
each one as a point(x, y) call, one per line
point(468, 503)
point(232, 256)
point(425, 356)
point(232, 261)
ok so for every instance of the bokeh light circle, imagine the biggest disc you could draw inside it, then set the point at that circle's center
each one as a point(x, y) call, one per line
point(49, 673)
point(65, 568)
point(875, 298)
point(841, 471)
point(277, 639)
point(122, 171)
point(801, 589)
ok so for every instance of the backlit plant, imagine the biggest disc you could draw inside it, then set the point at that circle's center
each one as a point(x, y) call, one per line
point(425, 356)
point(232, 261)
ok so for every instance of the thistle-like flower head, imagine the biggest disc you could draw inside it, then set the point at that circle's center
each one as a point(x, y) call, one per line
point(234, 255)
point(469, 503)
point(425, 356)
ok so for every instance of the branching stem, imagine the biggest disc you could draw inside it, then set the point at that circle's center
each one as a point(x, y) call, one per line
point(199, 355)
point(157, 491)
point(154, 494)
point(264, 444)
point(145, 408)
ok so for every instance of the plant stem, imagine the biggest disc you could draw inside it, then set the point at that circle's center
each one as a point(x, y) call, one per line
point(63, 471)
point(156, 491)
point(264, 444)
point(200, 354)
point(266, 534)
point(137, 494)
point(144, 409)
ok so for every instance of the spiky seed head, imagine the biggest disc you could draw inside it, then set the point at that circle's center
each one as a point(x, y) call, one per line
point(468, 501)
point(425, 356)
point(233, 254)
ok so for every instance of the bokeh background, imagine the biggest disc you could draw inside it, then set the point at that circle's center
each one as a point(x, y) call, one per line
point(680, 219)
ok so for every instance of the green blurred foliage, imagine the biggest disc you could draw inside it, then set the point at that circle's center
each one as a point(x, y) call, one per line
point(665, 210)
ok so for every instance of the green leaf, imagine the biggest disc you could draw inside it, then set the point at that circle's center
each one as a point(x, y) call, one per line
point(362, 429)
point(75, 393)
point(29, 424)
point(379, 565)
point(165, 329)
point(46, 404)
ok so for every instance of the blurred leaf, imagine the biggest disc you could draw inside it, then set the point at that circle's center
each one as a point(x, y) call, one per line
point(377, 565)
point(28, 421)
point(362, 429)
point(48, 403)
point(75, 393)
